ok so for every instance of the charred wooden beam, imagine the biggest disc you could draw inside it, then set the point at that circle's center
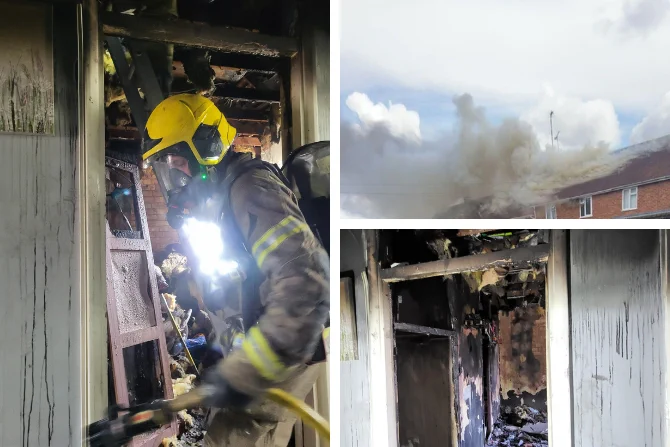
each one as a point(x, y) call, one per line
point(247, 94)
point(220, 71)
point(229, 92)
point(519, 257)
point(183, 32)
point(423, 330)
point(246, 62)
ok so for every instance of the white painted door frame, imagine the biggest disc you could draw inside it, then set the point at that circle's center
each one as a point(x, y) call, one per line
point(91, 215)
point(559, 392)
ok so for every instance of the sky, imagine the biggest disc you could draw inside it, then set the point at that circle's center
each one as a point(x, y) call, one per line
point(599, 65)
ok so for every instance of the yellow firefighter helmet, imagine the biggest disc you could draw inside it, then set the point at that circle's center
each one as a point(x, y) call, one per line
point(184, 135)
point(187, 124)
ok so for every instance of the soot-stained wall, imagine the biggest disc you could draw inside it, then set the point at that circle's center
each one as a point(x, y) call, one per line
point(523, 366)
point(618, 338)
point(40, 401)
point(468, 356)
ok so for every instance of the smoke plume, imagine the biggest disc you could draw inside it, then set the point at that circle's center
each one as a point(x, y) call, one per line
point(389, 171)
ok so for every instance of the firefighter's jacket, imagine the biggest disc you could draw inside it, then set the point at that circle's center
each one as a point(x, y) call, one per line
point(294, 290)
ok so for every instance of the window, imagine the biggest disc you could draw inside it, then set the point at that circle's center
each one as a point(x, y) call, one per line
point(585, 207)
point(629, 199)
point(550, 212)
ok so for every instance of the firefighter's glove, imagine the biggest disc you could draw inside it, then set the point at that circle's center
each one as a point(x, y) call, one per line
point(218, 392)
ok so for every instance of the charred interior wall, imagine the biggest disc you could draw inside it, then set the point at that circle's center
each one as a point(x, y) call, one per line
point(39, 269)
point(469, 356)
point(618, 333)
point(354, 374)
point(523, 366)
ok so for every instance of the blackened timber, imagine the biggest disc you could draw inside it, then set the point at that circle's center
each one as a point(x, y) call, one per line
point(230, 92)
point(183, 32)
point(423, 330)
point(247, 94)
point(523, 257)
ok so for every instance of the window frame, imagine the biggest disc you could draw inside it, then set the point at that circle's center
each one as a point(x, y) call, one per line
point(623, 198)
point(582, 202)
point(548, 212)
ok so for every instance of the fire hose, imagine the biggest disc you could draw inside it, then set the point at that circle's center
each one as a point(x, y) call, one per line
point(116, 429)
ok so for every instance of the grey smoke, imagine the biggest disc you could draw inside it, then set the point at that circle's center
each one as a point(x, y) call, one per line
point(388, 176)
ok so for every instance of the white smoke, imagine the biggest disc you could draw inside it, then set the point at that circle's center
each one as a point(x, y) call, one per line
point(656, 124)
point(390, 173)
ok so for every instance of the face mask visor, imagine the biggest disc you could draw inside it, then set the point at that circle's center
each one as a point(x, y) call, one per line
point(173, 174)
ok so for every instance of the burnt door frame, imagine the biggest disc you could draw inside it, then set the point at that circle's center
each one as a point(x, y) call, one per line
point(119, 341)
point(382, 338)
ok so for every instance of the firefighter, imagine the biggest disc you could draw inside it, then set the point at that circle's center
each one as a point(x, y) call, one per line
point(187, 142)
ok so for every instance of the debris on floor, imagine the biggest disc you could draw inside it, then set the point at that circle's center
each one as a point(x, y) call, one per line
point(521, 426)
point(183, 385)
point(191, 423)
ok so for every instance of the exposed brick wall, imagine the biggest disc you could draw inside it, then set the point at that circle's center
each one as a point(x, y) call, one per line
point(160, 232)
point(652, 197)
point(523, 357)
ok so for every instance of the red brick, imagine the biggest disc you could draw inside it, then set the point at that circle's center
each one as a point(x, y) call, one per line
point(650, 198)
point(160, 233)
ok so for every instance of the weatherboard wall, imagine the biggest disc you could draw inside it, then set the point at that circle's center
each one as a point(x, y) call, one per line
point(40, 399)
point(618, 338)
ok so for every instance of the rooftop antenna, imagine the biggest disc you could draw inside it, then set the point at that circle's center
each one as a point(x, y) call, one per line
point(558, 147)
point(551, 126)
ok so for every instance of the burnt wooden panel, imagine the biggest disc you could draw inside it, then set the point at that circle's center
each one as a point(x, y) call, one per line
point(425, 393)
point(40, 372)
point(618, 349)
point(134, 315)
point(183, 32)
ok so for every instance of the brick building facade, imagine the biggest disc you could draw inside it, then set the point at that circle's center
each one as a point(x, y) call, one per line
point(640, 189)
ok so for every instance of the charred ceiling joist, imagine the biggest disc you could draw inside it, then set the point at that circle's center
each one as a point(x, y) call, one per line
point(522, 257)
point(183, 32)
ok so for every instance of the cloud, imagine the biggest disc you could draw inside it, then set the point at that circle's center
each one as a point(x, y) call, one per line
point(638, 17)
point(396, 119)
point(388, 173)
point(655, 124)
point(505, 54)
point(579, 122)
